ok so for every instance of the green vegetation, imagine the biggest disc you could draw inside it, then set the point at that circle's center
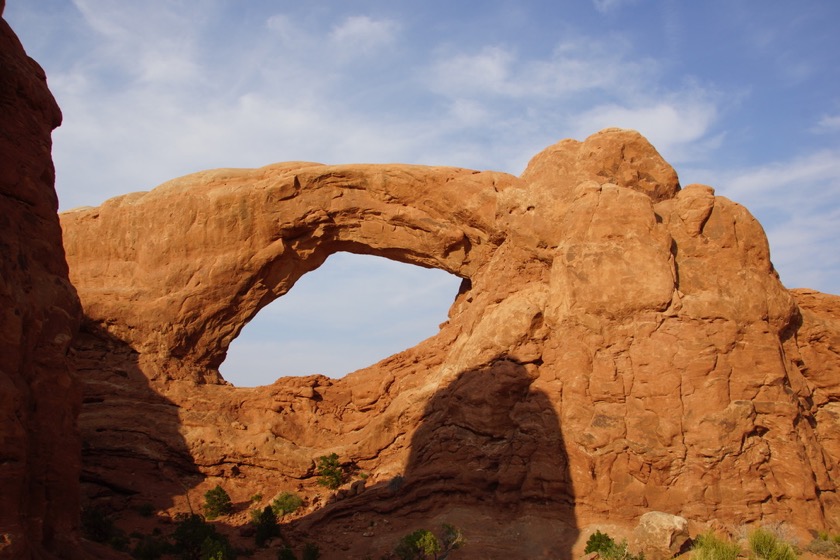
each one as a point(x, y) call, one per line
point(330, 473)
point(217, 502)
point(709, 546)
point(266, 527)
point(256, 498)
point(311, 551)
point(286, 503)
point(99, 527)
point(766, 545)
point(195, 539)
point(608, 549)
point(423, 544)
point(825, 545)
point(286, 553)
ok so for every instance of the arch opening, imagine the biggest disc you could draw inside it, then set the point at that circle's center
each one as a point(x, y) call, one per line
point(351, 312)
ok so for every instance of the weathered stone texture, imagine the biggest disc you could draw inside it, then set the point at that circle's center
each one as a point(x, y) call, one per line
point(39, 314)
point(618, 346)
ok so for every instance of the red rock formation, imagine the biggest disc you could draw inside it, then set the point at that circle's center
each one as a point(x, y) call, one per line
point(39, 314)
point(619, 345)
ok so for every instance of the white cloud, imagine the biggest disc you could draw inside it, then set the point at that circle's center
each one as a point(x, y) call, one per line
point(576, 66)
point(798, 204)
point(362, 34)
point(609, 6)
point(828, 123)
point(668, 125)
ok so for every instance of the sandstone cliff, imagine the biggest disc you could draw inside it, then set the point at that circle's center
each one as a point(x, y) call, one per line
point(619, 345)
point(39, 314)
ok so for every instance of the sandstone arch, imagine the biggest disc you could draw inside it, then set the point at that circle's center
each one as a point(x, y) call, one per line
point(267, 227)
point(650, 316)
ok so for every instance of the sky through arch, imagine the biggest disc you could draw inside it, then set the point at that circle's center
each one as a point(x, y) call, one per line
point(348, 314)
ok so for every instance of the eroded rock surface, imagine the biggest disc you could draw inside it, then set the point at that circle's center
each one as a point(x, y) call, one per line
point(619, 345)
point(39, 315)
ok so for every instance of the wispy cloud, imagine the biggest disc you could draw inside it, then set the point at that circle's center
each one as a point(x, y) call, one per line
point(363, 34)
point(674, 126)
point(798, 203)
point(610, 6)
point(828, 123)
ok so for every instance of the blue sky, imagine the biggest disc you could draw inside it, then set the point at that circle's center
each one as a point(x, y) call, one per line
point(741, 95)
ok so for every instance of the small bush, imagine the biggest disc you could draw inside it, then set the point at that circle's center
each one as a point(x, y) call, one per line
point(266, 526)
point(286, 553)
point(824, 546)
point(709, 546)
point(311, 551)
point(419, 545)
point(286, 503)
point(396, 483)
point(608, 549)
point(150, 548)
point(765, 545)
point(598, 542)
point(330, 473)
point(195, 539)
point(146, 510)
point(217, 502)
point(256, 498)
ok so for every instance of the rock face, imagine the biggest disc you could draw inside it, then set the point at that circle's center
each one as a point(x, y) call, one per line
point(39, 315)
point(619, 345)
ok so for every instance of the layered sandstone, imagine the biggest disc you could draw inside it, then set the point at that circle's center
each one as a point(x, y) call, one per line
point(619, 345)
point(39, 314)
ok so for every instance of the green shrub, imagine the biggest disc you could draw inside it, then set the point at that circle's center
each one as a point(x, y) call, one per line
point(150, 548)
point(195, 539)
point(608, 549)
point(267, 527)
point(330, 473)
point(598, 542)
point(824, 546)
point(419, 545)
point(217, 502)
point(146, 510)
point(709, 546)
point(765, 545)
point(286, 503)
point(286, 553)
point(256, 498)
point(311, 551)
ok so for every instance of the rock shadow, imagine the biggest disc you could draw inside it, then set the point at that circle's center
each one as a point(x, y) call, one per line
point(489, 458)
point(134, 457)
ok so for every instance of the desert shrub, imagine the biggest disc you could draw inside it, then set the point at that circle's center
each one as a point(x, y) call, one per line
point(286, 553)
point(99, 527)
point(311, 551)
point(824, 545)
point(145, 509)
point(452, 537)
point(217, 502)
point(598, 542)
point(150, 548)
point(419, 545)
point(765, 545)
point(256, 498)
point(266, 527)
point(195, 539)
point(608, 549)
point(286, 503)
point(396, 483)
point(709, 546)
point(330, 473)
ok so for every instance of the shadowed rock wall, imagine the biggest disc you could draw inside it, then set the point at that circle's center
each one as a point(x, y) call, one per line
point(681, 374)
point(39, 314)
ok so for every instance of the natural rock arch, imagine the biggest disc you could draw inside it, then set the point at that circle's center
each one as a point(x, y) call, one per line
point(267, 227)
point(650, 317)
